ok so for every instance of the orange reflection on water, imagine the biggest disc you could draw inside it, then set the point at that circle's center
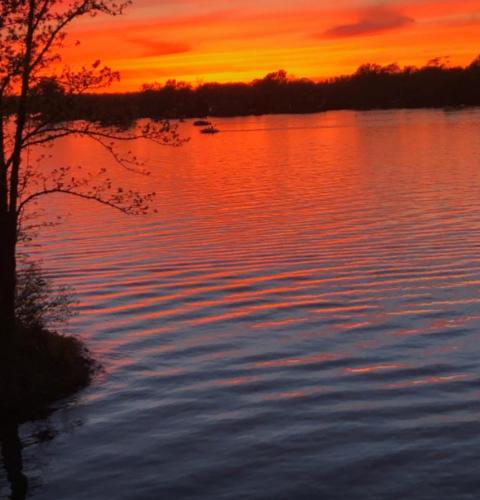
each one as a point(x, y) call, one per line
point(238, 381)
point(292, 395)
point(278, 323)
point(304, 360)
point(311, 223)
point(375, 368)
point(429, 381)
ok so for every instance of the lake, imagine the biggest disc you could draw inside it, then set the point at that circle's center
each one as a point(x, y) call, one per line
point(300, 319)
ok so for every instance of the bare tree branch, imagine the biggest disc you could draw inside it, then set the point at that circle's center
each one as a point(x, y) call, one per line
point(34, 99)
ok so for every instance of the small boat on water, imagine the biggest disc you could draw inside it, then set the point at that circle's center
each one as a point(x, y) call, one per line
point(209, 130)
point(201, 123)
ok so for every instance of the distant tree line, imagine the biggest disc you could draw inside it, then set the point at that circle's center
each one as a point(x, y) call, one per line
point(371, 87)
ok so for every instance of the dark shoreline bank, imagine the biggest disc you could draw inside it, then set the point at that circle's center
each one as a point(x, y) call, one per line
point(446, 109)
point(38, 368)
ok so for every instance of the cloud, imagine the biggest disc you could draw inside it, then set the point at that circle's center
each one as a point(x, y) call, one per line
point(152, 48)
point(373, 21)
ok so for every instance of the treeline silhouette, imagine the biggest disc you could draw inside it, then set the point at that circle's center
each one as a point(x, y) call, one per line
point(371, 87)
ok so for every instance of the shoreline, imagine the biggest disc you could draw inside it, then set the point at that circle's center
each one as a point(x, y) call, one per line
point(329, 110)
point(39, 368)
point(188, 118)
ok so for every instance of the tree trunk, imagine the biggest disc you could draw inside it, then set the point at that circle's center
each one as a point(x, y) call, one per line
point(8, 275)
point(9, 197)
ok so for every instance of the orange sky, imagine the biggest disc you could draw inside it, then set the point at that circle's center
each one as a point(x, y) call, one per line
point(226, 40)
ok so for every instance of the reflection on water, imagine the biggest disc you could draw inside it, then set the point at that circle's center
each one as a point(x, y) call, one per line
point(12, 461)
point(299, 320)
point(22, 449)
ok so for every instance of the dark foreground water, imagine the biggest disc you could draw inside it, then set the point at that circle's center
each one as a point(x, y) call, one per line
point(300, 320)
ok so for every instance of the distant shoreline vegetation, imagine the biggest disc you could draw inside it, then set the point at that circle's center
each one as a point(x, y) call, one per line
point(372, 86)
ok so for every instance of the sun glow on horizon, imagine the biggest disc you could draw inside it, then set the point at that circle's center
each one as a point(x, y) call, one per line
point(203, 41)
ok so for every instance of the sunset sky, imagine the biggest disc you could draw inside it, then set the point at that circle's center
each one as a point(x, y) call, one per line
point(227, 40)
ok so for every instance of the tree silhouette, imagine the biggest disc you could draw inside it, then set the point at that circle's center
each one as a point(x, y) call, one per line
point(372, 86)
point(36, 96)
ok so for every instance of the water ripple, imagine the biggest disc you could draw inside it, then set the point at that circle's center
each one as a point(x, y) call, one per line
point(299, 320)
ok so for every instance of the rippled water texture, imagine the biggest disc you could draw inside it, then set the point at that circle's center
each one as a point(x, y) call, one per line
point(299, 320)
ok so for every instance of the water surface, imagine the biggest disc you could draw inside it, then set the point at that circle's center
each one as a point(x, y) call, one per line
point(299, 320)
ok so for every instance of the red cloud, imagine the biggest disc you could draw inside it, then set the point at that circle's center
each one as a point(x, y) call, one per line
point(373, 21)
